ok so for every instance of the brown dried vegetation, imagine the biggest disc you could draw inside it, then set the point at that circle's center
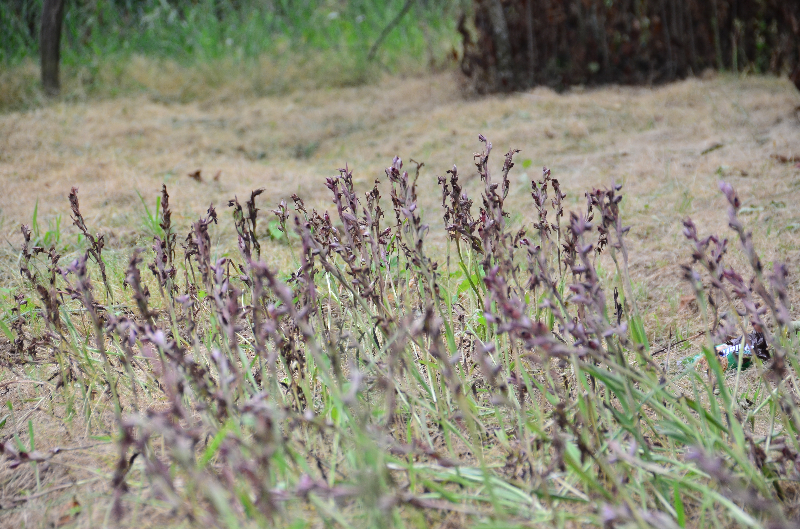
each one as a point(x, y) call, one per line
point(393, 369)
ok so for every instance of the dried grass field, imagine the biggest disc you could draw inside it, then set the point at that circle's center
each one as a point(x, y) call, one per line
point(668, 146)
point(654, 141)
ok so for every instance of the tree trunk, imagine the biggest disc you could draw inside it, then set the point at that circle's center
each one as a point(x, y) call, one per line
point(531, 43)
point(50, 44)
point(502, 45)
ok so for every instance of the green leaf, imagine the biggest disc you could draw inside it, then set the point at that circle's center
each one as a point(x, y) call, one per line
point(676, 431)
point(6, 330)
point(638, 334)
point(678, 502)
point(735, 510)
point(471, 283)
point(214, 445)
point(451, 339)
point(249, 508)
point(709, 417)
point(35, 222)
point(444, 493)
point(274, 229)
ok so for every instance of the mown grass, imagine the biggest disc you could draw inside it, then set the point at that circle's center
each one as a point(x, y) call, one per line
point(377, 382)
point(180, 51)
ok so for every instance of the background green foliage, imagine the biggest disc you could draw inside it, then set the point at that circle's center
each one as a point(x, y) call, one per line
point(100, 36)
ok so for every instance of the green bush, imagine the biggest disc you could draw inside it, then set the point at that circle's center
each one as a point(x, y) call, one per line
point(326, 43)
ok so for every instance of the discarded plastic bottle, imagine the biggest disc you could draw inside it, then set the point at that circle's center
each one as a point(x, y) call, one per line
point(728, 353)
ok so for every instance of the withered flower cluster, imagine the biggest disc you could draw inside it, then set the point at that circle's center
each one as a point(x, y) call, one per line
point(372, 377)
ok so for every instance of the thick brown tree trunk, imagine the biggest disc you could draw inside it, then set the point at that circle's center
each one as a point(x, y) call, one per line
point(502, 46)
point(50, 44)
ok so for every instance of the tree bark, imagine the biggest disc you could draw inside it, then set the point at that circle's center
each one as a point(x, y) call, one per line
point(531, 43)
point(50, 44)
point(502, 45)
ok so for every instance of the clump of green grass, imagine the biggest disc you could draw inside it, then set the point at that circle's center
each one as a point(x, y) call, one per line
point(248, 47)
point(376, 385)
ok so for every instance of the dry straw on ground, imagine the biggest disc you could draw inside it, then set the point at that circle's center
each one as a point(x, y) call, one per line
point(668, 147)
